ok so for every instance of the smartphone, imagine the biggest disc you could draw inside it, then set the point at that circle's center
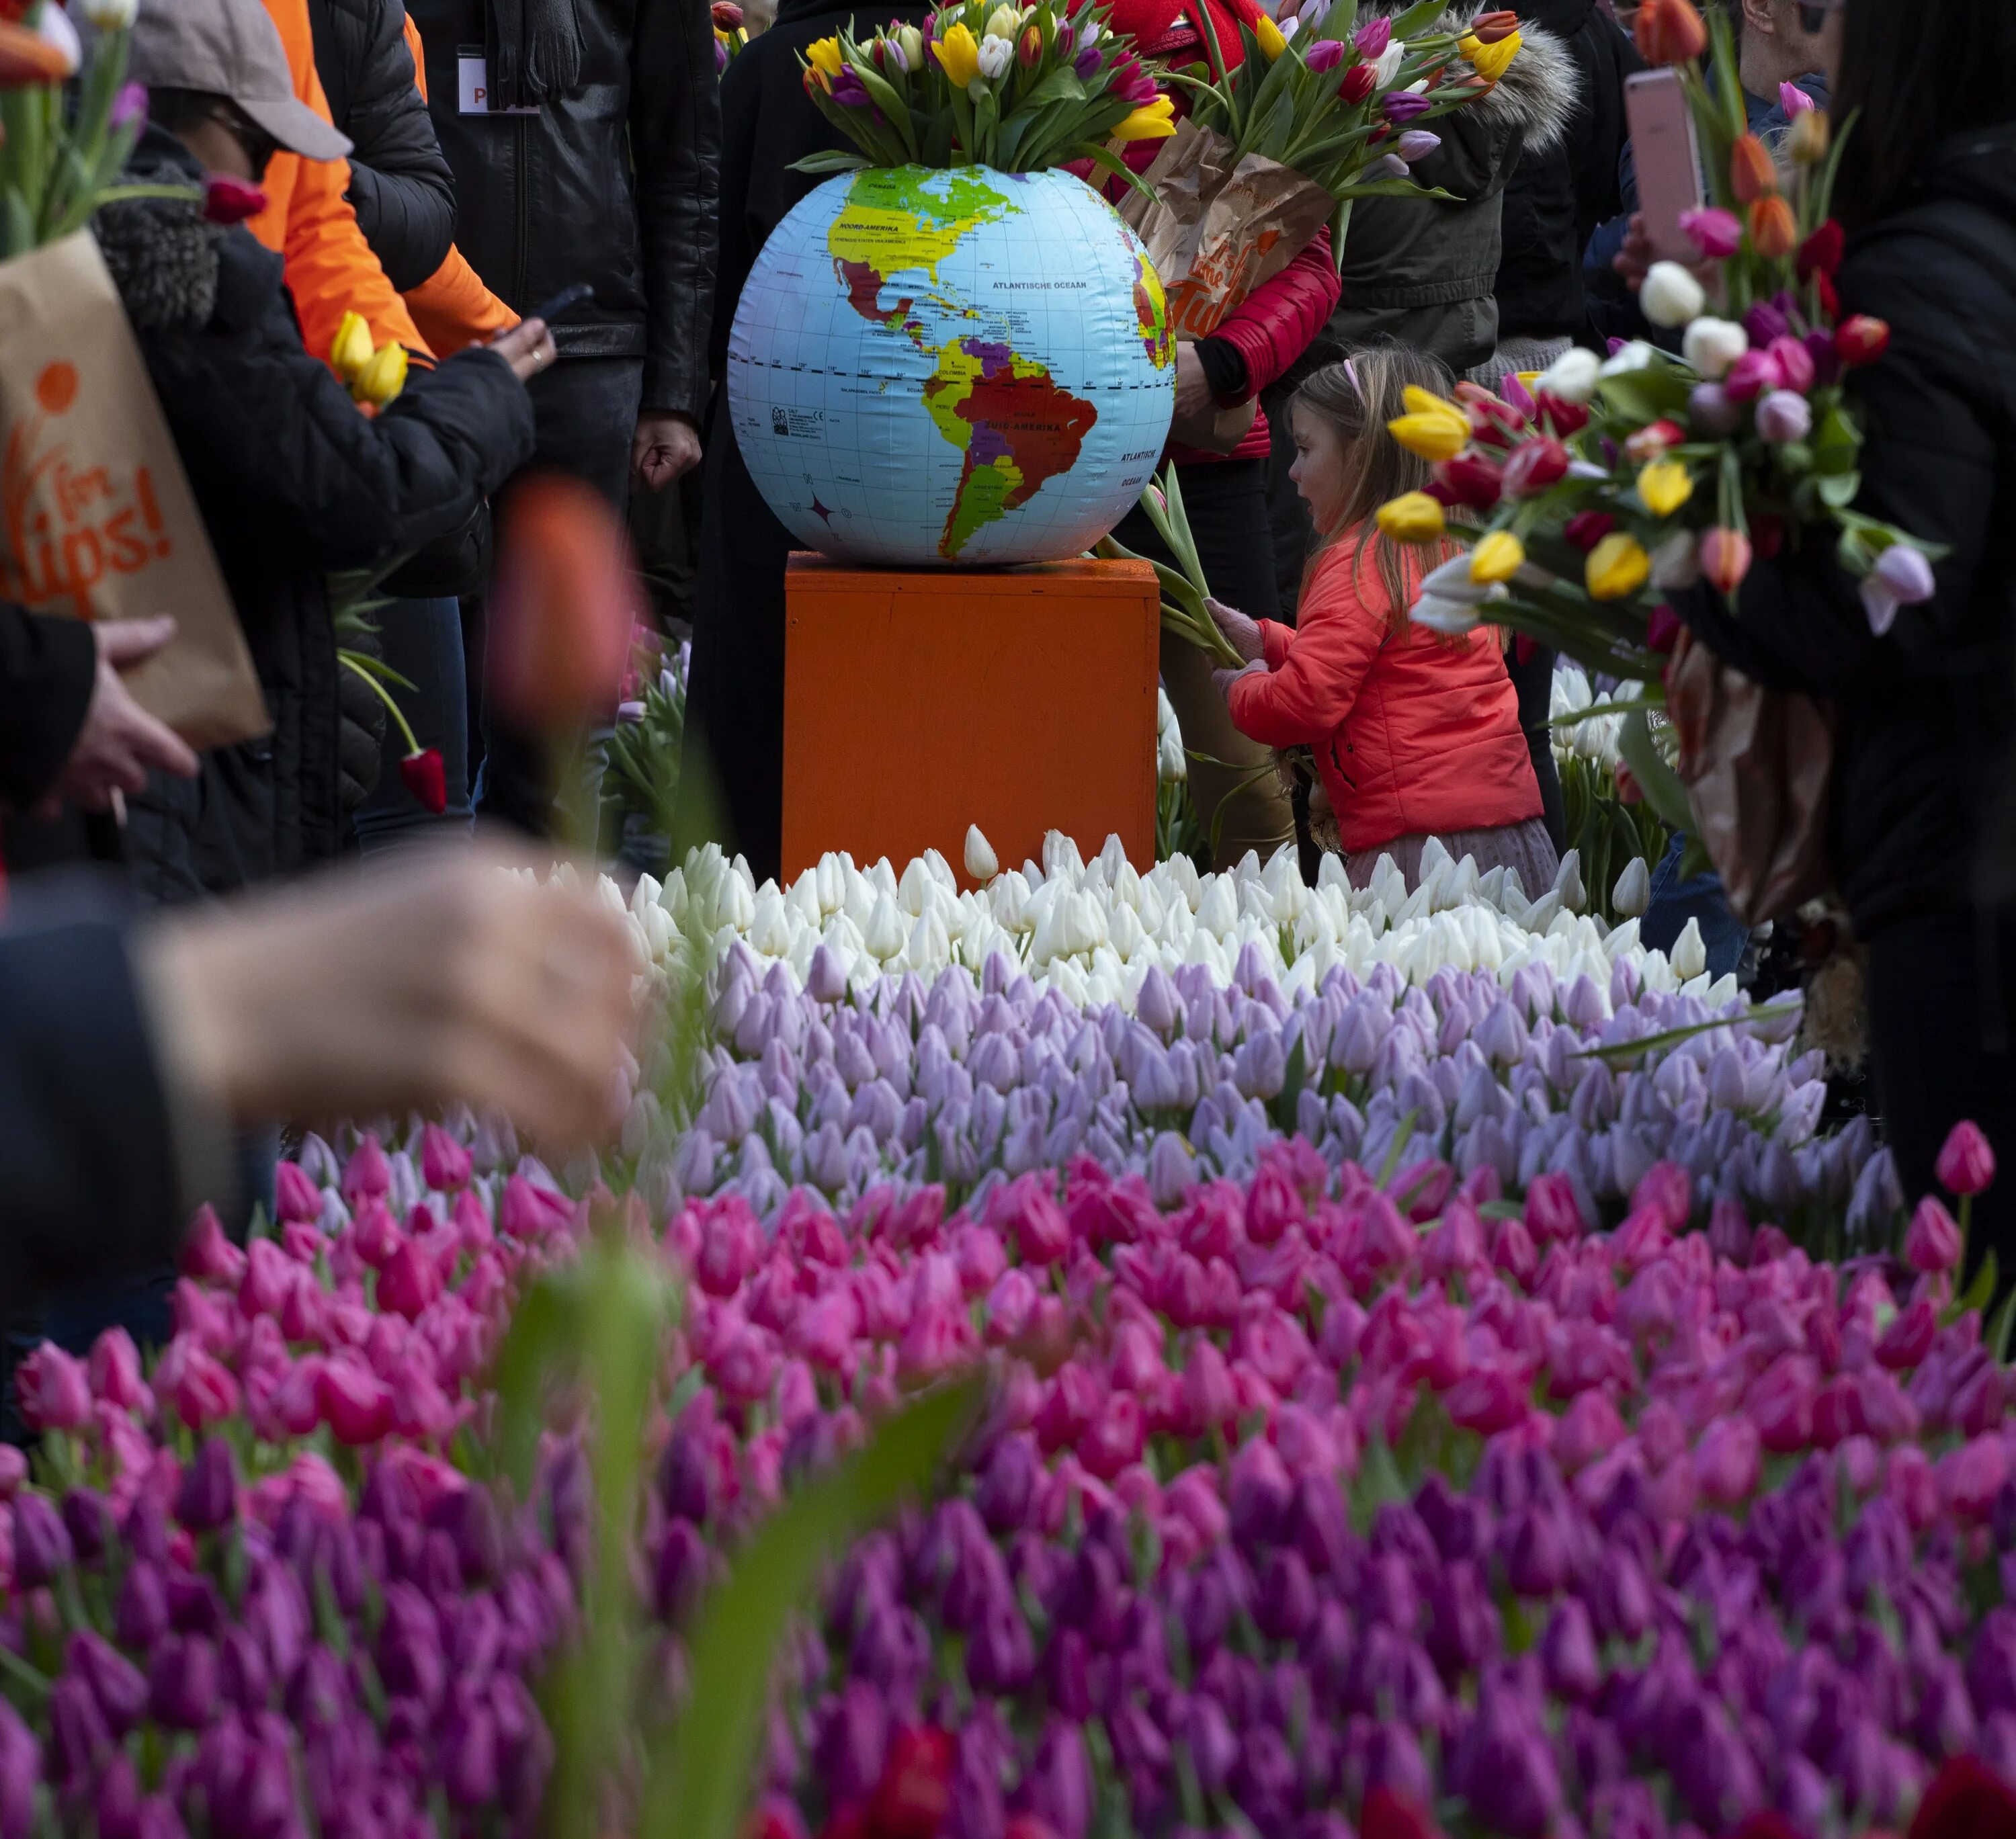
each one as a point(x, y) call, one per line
point(563, 303)
point(1668, 159)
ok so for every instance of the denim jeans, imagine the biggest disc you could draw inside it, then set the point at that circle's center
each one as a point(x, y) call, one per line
point(421, 641)
point(1674, 902)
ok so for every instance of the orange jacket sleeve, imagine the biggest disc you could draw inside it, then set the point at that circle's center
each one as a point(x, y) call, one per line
point(330, 269)
point(1305, 697)
point(451, 308)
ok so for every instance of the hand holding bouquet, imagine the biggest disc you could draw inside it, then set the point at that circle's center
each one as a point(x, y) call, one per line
point(1606, 484)
point(1020, 89)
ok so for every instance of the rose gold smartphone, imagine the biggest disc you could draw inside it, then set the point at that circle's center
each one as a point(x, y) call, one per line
point(1668, 159)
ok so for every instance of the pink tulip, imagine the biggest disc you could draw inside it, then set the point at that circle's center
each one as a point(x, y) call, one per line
point(1717, 234)
point(190, 1384)
point(526, 1212)
point(1588, 1428)
point(1372, 37)
point(269, 1278)
point(1113, 1438)
point(201, 1315)
point(353, 1401)
point(206, 1252)
point(1325, 54)
point(1781, 1400)
point(1209, 1398)
point(823, 1332)
point(52, 1390)
point(420, 1408)
point(296, 1200)
point(1932, 1241)
point(1966, 1164)
point(1970, 1476)
point(13, 1470)
point(375, 1233)
point(445, 1165)
point(115, 1373)
point(1754, 374)
point(408, 1281)
point(1552, 1210)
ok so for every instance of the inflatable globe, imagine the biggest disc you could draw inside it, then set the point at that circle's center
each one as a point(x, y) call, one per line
point(960, 367)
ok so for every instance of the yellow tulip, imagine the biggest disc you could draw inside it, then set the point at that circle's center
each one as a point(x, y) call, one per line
point(1432, 428)
point(383, 377)
point(1153, 121)
point(1665, 485)
point(1617, 567)
point(1413, 517)
point(1807, 143)
point(352, 350)
point(1003, 22)
point(1499, 557)
point(958, 53)
point(1489, 61)
point(1269, 37)
point(824, 54)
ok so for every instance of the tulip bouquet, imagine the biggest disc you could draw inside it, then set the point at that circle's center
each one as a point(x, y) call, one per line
point(1019, 89)
point(1588, 492)
point(1320, 110)
point(373, 376)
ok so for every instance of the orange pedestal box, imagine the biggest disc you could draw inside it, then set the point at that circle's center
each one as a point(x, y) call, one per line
point(917, 703)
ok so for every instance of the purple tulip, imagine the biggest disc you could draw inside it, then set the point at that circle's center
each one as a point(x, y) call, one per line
point(1008, 1486)
point(1767, 320)
point(1325, 54)
point(20, 1769)
point(1506, 1769)
point(853, 1739)
point(681, 1571)
point(87, 1518)
point(208, 1496)
point(1056, 1787)
point(119, 1687)
point(181, 1682)
point(195, 1605)
point(42, 1548)
point(469, 1517)
point(1388, 166)
point(849, 90)
point(1085, 66)
point(1904, 571)
point(1286, 1602)
point(1567, 1652)
point(1783, 417)
point(1402, 106)
point(1416, 144)
point(468, 1755)
point(77, 1734)
point(1001, 1656)
point(243, 1676)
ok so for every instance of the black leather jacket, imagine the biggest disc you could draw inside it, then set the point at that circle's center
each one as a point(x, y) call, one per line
point(400, 185)
point(614, 185)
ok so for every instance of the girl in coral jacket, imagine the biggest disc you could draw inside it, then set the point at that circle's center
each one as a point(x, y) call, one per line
point(1415, 735)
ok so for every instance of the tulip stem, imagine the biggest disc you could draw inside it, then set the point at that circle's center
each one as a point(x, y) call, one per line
point(349, 660)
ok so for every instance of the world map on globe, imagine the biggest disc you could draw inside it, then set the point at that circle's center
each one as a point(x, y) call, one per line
point(963, 367)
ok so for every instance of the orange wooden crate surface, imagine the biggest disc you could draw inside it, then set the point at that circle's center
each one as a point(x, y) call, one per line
point(916, 702)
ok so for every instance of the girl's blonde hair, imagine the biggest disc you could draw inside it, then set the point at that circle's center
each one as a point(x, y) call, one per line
point(1356, 399)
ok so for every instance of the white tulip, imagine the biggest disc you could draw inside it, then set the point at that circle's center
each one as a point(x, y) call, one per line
point(1633, 894)
point(1451, 582)
point(995, 56)
point(1676, 562)
point(1670, 296)
point(980, 866)
point(1568, 882)
point(1572, 376)
point(1388, 66)
point(111, 16)
point(1635, 356)
point(1689, 955)
point(1449, 618)
point(1710, 345)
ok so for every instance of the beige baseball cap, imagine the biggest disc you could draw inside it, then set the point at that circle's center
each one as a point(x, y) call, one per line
point(229, 48)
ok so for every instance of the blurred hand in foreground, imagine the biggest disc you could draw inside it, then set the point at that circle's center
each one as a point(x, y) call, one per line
point(447, 980)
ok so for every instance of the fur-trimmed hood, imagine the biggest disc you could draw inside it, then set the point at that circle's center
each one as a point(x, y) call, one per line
point(162, 254)
point(1541, 87)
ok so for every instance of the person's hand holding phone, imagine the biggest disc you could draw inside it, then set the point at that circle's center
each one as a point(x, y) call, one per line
point(527, 347)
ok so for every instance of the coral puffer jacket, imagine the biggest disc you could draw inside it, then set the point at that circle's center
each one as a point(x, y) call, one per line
point(1414, 734)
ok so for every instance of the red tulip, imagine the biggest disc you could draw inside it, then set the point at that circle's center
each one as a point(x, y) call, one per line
point(560, 634)
point(1669, 32)
point(1468, 479)
point(1488, 28)
point(1662, 630)
point(1968, 1800)
point(1565, 418)
point(228, 200)
point(1861, 340)
point(1359, 83)
point(914, 1796)
point(427, 778)
point(1653, 440)
point(1821, 252)
point(1534, 465)
point(1585, 529)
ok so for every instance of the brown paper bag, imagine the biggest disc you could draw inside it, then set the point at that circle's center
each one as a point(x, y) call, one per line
point(97, 521)
point(1759, 768)
point(1216, 229)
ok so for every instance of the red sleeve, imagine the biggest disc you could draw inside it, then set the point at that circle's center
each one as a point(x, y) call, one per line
point(1276, 323)
point(1275, 639)
point(1305, 698)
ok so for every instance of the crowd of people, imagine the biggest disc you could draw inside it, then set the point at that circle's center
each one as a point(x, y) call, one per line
point(440, 170)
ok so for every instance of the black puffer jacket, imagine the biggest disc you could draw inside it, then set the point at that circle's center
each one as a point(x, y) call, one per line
point(1558, 194)
point(294, 484)
point(1928, 714)
point(1422, 270)
point(614, 184)
point(400, 184)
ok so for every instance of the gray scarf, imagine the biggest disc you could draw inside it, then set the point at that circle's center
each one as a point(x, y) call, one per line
point(533, 50)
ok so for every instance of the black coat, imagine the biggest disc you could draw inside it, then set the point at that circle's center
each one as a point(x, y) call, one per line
point(89, 1180)
point(400, 184)
point(614, 184)
point(48, 667)
point(294, 484)
point(1558, 194)
point(1928, 713)
point(735, 713)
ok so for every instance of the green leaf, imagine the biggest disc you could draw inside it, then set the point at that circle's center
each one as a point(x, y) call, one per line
point(1417, 18)
point(1281, 1108)
point(540, 1332)
point(1378, 1482)
point(1980, 1293)
point(1838, 490)
point(1663, 790)
point(1995, 1337)
point(1618, 1052)
point(1645, 395)
point(699, 1773)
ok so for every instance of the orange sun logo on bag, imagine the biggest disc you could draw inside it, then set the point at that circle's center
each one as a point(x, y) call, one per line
point(69, 527)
